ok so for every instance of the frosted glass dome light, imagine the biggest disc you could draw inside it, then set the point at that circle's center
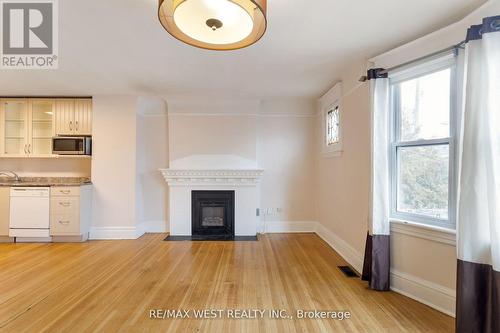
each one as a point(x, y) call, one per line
point(214, 24)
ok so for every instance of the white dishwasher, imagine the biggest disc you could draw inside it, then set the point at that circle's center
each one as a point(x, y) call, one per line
point(29, 212)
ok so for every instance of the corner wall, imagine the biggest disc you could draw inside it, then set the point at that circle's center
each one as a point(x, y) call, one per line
point(344, 182)
point(275, 135)
point(114, 167)
point(286, 149)
point(423, 259)
point(152, 154)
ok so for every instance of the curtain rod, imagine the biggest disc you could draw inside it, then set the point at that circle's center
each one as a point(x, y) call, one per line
point(385, 71)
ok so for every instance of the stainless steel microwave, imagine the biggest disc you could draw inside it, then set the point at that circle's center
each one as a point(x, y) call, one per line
point(72, 145)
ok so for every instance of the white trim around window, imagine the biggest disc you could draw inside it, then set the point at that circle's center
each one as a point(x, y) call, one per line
point(398, 144)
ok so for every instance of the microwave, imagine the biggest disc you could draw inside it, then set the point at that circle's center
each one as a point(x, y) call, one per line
point(72, 145)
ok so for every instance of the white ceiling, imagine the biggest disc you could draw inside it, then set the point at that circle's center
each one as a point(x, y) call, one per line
point(119, 47)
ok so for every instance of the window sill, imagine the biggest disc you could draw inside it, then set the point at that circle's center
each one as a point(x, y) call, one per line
point(332, 153)
point(432, 233)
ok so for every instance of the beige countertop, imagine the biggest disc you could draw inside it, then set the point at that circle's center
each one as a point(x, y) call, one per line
point(44, 181)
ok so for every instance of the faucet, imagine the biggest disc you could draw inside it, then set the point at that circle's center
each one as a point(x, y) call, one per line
point(11, 174)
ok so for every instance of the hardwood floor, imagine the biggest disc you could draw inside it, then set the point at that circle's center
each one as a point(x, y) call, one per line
point(111, 286)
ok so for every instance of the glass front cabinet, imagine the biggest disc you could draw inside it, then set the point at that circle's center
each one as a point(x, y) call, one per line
point(26, 127)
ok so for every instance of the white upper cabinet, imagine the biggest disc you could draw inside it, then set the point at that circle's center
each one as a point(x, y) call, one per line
point(14, 127)
point(64, 117)
point(73, 116)
point(27, 125)
point(83, 116)
point(41, 131)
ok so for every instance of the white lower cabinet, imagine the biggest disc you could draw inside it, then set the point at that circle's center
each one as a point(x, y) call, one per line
point(70, 213)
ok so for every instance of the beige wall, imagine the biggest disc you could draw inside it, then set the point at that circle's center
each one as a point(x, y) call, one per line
point(130, 144)
point(152, 150)
point(278, 136)
point(114, 161)
point(48, 167)
point(423, 262)
point(194, 134)
point(343, 201)
point(427, 259)
point(286, 150)
point(343, 182)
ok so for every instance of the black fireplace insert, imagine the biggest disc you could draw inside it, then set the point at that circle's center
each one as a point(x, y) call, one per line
point(212, 214)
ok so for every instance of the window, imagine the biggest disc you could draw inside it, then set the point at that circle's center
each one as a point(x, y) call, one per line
point(422, 143)
point(332, 126)
point(331, 122)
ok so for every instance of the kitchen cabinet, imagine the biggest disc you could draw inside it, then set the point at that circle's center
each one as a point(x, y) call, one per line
point(5, 214)
point(64, 117)
point(83, 116)
point(70, 210)
point(14, 126)
point(41, 129)
point(73, 116)
point(26, 127)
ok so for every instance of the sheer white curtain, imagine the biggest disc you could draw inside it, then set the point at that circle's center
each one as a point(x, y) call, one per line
point(478, 216)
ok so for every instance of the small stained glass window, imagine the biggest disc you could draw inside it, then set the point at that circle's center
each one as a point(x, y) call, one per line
point(333, 126)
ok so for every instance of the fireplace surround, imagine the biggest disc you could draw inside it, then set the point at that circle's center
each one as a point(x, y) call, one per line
point(221, 173)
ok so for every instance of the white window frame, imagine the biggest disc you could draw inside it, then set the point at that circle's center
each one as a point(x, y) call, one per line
point(421, 68)
point(328, 102)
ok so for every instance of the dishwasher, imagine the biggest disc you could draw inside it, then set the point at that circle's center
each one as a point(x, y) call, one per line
point(29, 212)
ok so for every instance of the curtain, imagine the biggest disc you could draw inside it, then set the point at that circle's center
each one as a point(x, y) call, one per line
point(478, 215)
point(376, 267)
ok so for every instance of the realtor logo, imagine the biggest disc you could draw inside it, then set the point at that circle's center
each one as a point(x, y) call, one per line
point(29, 34)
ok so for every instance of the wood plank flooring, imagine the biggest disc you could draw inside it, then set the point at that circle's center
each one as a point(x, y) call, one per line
point(111, 286)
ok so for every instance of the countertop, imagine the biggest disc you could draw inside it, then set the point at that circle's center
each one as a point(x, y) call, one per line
point(44, 181)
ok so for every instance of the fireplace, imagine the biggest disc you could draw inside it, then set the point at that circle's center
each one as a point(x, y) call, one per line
point(212, 214)
point(242, 179)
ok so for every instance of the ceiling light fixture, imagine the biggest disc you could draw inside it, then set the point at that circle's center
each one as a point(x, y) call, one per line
point(214, 24)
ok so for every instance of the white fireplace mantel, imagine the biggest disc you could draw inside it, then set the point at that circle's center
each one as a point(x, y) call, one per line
point(211, 177)
point(244, 183)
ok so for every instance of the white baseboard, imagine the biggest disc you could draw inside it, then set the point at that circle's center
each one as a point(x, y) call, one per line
point(289, 226)
point(154, 226)
point(346, 251)
point(33, 239)
point(436, 296)
point(116, 232)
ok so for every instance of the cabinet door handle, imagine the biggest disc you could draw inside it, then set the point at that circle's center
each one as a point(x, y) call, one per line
point(65, 204)
point(76, 123)
point(70, 125)
point(25, 149)
point(64, 222)
point(29, 148)
point(65, 191)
